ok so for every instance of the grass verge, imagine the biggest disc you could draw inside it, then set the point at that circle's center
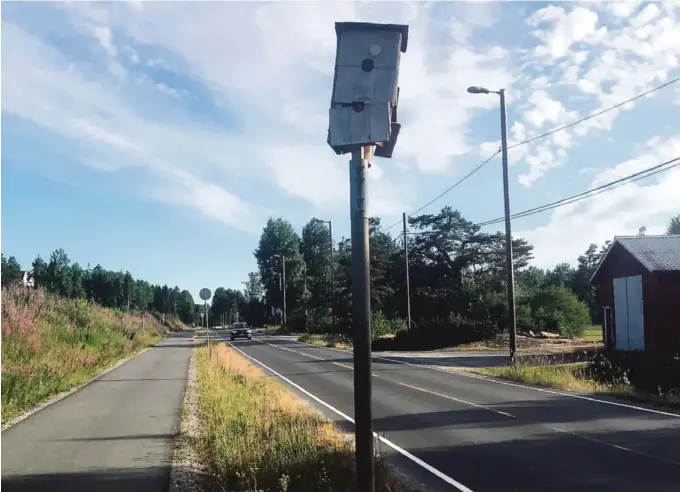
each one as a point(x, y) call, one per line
point(332, 341)
point(257, 436)
point(51, 344)
point(574, 377)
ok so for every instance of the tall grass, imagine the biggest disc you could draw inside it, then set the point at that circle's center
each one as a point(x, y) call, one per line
point(51, 344)
point(257, 436)
point(578, 376)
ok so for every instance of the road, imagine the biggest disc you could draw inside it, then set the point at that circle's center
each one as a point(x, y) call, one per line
point(116, 434)
point(457, 431)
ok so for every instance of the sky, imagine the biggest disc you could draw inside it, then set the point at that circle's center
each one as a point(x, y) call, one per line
point(158, 137)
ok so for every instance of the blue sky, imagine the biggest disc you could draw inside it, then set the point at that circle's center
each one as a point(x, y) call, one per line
point(158, 137)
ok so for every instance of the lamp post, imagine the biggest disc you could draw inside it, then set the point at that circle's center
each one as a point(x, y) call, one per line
point(283, 280)
point(512, 328)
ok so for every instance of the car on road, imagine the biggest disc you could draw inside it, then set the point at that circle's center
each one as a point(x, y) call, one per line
point(241, 330)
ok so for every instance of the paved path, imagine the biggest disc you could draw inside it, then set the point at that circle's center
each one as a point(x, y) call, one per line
point(490, 436)
point(116, 434)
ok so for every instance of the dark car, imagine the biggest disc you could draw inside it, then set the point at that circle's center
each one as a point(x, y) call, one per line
point(241, 330)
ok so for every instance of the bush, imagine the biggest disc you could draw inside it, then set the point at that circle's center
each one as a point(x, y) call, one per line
point(439, 333)
point(557, 309)
point(655, 373)
point(381, 326)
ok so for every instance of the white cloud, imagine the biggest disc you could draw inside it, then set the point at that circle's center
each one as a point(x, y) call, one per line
point(622, 60)
point(112, 136)
point(566, 29)
point(103, 35)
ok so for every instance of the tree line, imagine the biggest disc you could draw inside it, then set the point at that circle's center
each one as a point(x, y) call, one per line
point(120, 290)
point(112, 289)
point(457, 281)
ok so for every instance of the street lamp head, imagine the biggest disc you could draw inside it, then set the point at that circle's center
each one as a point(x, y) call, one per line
point(477, 90)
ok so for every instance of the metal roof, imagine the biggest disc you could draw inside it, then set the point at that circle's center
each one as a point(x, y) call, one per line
point(655, 253)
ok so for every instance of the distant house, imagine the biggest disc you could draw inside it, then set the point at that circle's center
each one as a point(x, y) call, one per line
point(27, 279)
point(637, 283)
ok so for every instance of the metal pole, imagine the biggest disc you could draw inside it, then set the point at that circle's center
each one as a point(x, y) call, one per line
point(408, 286)
point(283, 268)
point(361, 323)
point(512, 322)
point(304, 265)
point(330, 231)
point(205, 315)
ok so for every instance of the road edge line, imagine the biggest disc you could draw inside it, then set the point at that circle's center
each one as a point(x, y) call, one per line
point(459, 486)
point(64, 394)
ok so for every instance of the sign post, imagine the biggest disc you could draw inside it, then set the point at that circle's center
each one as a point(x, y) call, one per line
point(205, 294)
point(363, 119)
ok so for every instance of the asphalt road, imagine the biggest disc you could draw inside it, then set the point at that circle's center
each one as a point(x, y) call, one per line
point(485, 435)
point(116, 434)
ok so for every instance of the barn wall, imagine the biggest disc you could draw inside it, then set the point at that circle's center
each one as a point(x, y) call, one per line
point(662, 311)
point(619, 263)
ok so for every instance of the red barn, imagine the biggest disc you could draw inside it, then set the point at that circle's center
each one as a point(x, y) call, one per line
point(637, 283)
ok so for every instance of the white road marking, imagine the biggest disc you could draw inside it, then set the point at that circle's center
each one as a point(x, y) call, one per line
point(563, 431)
point(456, 399)
point(459, 486)
point(615, 446)
point(508, 383)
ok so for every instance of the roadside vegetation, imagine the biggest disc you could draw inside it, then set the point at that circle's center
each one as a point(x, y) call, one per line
point(51, 344)
point(257, 436)
point(636, 377)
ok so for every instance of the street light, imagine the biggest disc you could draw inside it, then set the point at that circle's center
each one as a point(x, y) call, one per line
point(332, 270)
point(283, 275)
point(508, 232)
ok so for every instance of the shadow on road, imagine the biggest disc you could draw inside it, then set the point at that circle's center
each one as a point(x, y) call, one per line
point(129, 480)
point(529, 460)
point(164, 437)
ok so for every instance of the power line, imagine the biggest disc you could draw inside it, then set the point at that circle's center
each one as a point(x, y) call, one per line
point(532, 139)
point(546, 134)
point(457, 183)
point(646, 173)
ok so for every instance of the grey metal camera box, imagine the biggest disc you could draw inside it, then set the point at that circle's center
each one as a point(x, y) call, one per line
point(365, 86)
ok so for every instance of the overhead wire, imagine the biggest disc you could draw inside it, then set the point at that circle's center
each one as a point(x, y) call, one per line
point(532, 139)
point(457, 183)
point(612, 185)
point(594, 115)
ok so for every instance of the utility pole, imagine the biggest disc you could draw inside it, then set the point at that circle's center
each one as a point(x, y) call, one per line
point(330, 232)
point(304, 297)
point(361, 320)
point(283, 270)
point(408, 283)
point(282, 280)
point(512, 321)
point(512, 318)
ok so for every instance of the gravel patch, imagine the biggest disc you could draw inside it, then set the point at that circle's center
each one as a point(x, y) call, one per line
point(188, 473)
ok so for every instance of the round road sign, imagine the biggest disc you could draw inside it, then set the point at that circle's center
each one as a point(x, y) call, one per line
point(205, 294)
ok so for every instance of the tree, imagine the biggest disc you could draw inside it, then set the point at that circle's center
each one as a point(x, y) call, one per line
point(59, 274)
point(557, 309)
point(278, 242)
point(185, 307)
point(39, 272)
point(11, 271)
point(316, 254)
point(674, 225)
point(642, 231)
